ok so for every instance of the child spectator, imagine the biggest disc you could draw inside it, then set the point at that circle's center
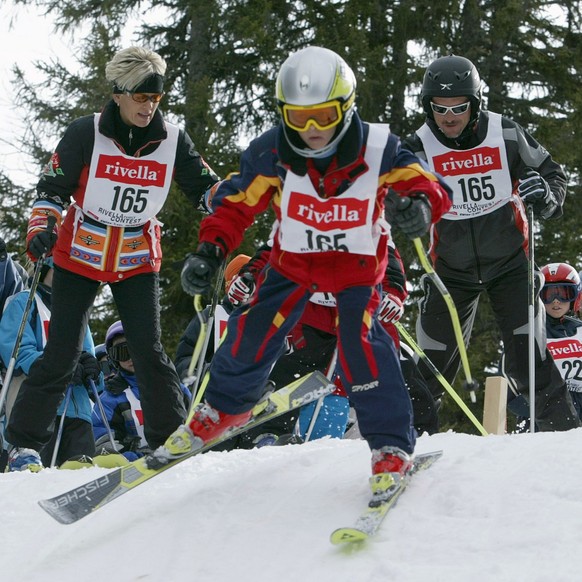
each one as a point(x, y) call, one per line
point(107, 367)
point(76, 439)
point(561, 295)
point(121, 402)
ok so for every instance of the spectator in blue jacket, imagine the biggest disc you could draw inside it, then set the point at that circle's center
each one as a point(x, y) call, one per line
point(76, 438)
point(13, 279)
point(121, 402)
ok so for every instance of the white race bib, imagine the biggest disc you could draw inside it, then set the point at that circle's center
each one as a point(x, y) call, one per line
point(479, 177)
point(311, 224)
point(126, 191)
point(567, 354)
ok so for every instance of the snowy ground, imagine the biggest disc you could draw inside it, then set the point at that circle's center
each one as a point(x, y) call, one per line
point(497, 508)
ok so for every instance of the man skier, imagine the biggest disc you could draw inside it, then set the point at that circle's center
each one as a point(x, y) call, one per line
point(495, 168)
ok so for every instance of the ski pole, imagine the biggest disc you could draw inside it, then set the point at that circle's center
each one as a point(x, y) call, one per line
point(198, 393)
point(51, 221)
point(440, 377)
point(329, 376)
point(61, 426)
point(531, 319)
point(102, 413)
point(470, 384)
point(199, 341)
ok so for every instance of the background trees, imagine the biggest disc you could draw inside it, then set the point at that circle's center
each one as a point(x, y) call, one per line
point(223, 58)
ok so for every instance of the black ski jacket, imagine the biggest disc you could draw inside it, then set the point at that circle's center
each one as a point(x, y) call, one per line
point(479, 249)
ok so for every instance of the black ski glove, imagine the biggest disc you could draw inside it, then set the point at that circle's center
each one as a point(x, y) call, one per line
point(88, 368)
point(200, 267)
point(42, 243)
point(103, 445)
point(535, 192)
point(411, 214)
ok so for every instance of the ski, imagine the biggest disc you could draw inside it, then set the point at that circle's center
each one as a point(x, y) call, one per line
point(75, 504)
point(387, 493)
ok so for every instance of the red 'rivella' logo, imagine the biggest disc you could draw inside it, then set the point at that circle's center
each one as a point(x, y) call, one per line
point(135, 171)
point(477, 161)
point(566, 348)
point(328, 214)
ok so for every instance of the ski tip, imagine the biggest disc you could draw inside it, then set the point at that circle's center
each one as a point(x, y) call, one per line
point(427, 458)
point(347, 535)
point(431, 455)
point(53, 510)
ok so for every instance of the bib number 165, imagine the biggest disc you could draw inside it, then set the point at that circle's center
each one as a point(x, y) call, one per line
point(476, 189)
point(129, 200)
point(322, 242)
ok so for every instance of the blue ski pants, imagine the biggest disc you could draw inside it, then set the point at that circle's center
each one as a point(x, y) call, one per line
point(368, 363)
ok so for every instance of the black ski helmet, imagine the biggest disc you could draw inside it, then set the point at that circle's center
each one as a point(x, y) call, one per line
point(451, 76)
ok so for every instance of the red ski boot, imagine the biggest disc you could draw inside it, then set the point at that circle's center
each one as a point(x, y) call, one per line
point(206, 424)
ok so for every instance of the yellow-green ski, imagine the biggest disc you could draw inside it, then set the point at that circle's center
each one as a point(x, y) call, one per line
point(372, 517)
point(73, 505)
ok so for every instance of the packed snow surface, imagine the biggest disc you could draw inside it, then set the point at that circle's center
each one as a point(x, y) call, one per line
point(492, 509)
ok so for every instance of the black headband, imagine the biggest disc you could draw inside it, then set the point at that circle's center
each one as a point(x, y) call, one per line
point(152, 84)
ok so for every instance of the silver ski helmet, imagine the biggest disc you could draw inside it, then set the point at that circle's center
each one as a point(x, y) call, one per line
point(315, 86)
point(452, 76)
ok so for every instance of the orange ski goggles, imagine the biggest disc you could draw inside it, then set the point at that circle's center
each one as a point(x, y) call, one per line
point(323, 116)
point(143, 97)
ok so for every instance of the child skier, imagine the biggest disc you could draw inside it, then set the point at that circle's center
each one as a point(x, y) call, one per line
point(326, 174)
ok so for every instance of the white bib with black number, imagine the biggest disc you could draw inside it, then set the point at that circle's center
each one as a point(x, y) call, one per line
point(479, 177)
point(311, 224)
point(567, 354)
point(126, 191)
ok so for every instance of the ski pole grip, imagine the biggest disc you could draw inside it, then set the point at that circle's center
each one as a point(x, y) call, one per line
point(51, 222)
point(397, 203)
point(471, 386)
point(50, 225)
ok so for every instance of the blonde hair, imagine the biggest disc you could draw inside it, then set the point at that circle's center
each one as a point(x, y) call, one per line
point(131, 66)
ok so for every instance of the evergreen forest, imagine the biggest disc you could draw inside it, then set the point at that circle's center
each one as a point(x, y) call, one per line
point(223, 57)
